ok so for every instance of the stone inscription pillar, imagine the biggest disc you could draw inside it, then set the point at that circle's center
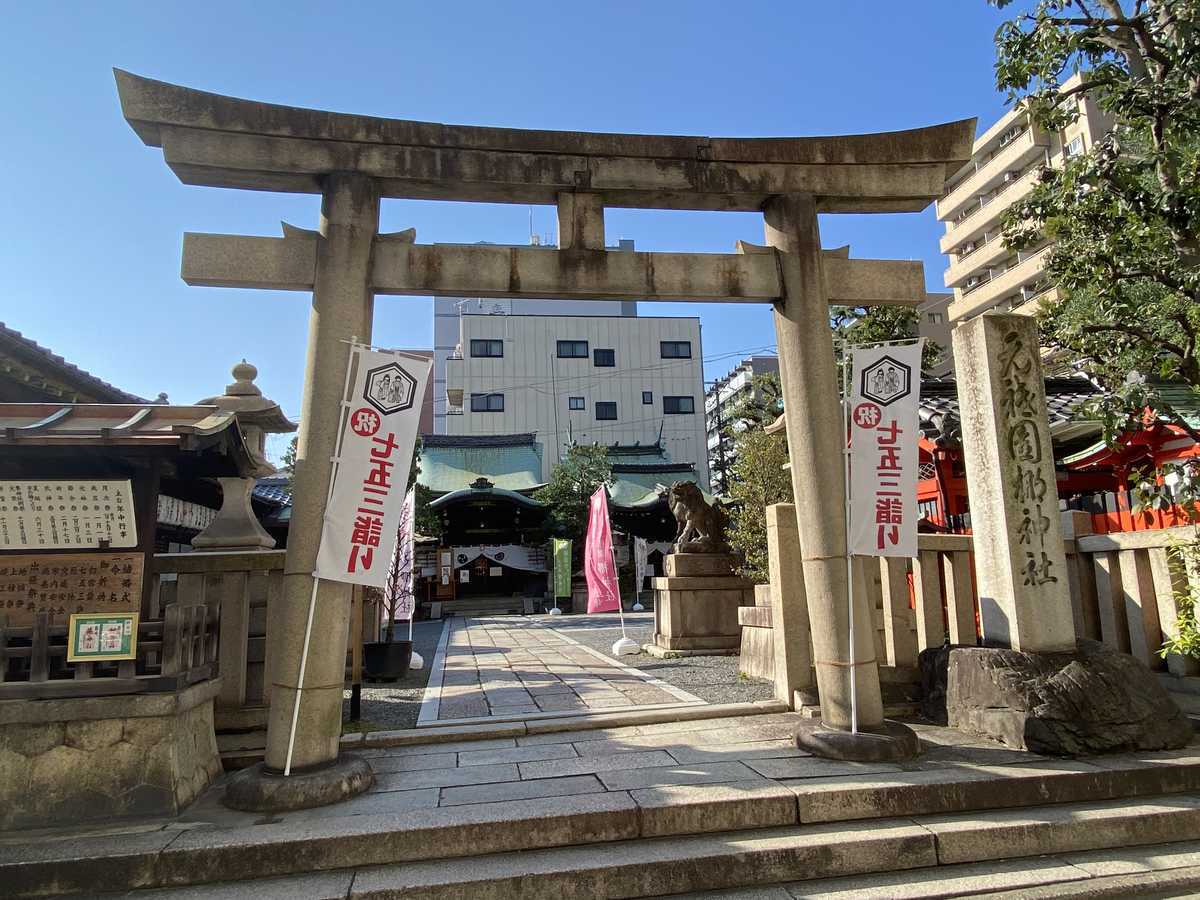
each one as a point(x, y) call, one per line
point(1020, 562)
point(342, 308)
point(815, 440)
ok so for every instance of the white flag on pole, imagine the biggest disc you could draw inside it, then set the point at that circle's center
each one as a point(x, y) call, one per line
point(641, 563)
point(379, 430)
point(884, 432)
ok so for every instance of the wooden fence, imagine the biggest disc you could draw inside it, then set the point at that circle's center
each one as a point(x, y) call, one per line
point(206, 614)
point(1123, 592)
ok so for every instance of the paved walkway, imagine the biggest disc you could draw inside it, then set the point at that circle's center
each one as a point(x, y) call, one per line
point(512, 667)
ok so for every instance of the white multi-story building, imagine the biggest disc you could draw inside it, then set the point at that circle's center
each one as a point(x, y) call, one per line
point(984, 273)
point(446, 326)
point(580, 379)
point(720, 401)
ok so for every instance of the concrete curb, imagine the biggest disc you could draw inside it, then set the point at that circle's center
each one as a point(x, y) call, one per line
point(522, 726)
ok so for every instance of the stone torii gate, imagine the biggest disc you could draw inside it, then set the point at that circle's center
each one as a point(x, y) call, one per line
point(354, 161)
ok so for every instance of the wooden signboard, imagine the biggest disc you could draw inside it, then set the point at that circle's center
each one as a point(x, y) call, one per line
point(102, 637)
point(66, 583)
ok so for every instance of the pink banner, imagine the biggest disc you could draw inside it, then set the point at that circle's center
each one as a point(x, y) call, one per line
point(603, 595)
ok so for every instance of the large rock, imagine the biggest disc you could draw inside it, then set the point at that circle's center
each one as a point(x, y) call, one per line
point(1095, 700)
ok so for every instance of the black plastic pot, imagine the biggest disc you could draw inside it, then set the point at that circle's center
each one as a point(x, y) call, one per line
point(386, 660)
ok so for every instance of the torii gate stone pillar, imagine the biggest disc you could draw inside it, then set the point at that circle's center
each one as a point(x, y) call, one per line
point(353, 161)
point(815, 433)
point(342, 306)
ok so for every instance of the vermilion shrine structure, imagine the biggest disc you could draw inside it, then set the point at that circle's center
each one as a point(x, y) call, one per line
point(353, 162)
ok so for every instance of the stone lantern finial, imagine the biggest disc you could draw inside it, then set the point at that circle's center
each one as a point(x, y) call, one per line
point(235, 525)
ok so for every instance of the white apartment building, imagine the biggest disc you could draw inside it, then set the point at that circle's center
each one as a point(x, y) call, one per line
point(448, 310)
point(581, 379)
point(720, 400)
point(984, 273)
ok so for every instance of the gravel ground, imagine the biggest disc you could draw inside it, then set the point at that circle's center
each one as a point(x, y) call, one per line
point(396, 705)
point(711, 678)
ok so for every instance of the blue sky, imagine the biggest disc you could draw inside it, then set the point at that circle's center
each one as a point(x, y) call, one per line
point(92, 220)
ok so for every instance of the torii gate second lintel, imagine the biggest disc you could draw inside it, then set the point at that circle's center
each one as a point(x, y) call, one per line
point(354, 161)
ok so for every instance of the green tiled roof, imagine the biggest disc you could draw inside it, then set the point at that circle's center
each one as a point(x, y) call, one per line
point(1183, 400)
point(509, 462)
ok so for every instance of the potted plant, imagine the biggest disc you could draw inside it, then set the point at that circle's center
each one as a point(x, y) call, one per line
point(389, 659)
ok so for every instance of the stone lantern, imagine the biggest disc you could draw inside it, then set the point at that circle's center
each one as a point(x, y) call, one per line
point(235, 526)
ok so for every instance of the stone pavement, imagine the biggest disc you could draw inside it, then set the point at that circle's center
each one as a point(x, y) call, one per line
point(511, 667)
point(662, 808)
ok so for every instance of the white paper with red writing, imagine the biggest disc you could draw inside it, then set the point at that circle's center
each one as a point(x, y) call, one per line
point(884, 432)
point(379, 430)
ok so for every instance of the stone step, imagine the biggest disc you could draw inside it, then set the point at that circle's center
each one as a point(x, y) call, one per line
point(638, 808)
point(1155, 870)
point(868, 859)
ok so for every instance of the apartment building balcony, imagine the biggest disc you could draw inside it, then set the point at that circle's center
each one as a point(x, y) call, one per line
point(987, 215)
point(1015, 155)
point(1001, 288)
point(988, 252)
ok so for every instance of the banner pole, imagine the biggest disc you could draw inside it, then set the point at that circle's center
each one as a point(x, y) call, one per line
point(846, 374)
point(312, 600)
point(312, 605)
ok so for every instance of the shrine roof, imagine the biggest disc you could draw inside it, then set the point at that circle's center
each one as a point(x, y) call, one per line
point(510, 462)
point(122, 428)
point(12, 341)
point(1064, 397)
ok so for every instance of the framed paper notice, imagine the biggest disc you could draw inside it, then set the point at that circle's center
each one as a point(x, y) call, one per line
point(102, 637)
point(66, 515)
point(495, 571)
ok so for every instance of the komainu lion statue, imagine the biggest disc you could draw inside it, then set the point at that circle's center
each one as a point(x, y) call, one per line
point(701, 528)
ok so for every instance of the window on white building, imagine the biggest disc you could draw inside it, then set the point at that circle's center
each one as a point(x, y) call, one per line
point(575, 403)
point(676, 349)
point(679, 405)
point(1075, 148)
point(483, 347)
point(604, 358)
point(487, 403)
point(647, 398)
point(606, 409)
point(572, 349)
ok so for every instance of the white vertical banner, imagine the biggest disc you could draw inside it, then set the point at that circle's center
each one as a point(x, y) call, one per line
point(379, 431)
point(641, 563)
point(885, 389)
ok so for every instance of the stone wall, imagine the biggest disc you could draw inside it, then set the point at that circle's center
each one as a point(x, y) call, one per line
point(74, 760)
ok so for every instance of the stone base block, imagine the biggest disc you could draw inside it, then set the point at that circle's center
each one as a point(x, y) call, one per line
point(258, 789)
point(757, 657)
point(1095, 700)
point(887, 742)
point(684, 564)
point(71, 761)
point(699, 612)
point(663, 653)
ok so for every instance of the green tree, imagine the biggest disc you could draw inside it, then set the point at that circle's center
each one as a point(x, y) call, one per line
point(1124, 215)
point(757, 408)
point(758, 479)
point(571, 485)
point(287, 465)
point(879, 324)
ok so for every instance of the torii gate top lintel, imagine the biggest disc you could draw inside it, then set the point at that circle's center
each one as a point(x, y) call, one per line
point(221, 141)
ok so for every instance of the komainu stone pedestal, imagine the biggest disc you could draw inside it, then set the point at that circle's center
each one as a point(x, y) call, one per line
point(696, 605)
point(1095, 700)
